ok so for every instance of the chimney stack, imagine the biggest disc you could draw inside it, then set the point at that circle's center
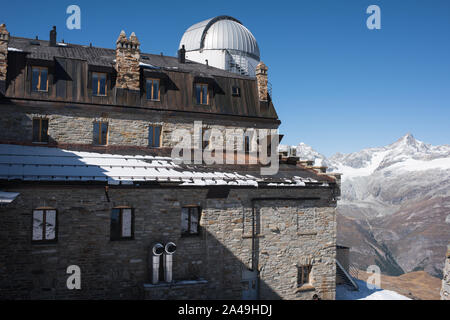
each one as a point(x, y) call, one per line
point(128, 54)
point(182, 55)
point(53, 37)
point(4, 40)
point(261, 79)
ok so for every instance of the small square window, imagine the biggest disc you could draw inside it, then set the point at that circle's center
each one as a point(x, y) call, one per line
point(122, 223)
point(236, 91)
point(190, 217)
point(100, 133)
point(152, 88)
point(39, 81)
point(98, 84)
point(201, 93)
point(303, 276)
point(154, 136)
point(40, 130)
point(44, 225)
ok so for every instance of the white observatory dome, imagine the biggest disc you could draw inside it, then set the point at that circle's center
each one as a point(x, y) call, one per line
point(224, 42)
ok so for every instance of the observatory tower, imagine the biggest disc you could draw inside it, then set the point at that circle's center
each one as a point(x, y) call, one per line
point(224, 42)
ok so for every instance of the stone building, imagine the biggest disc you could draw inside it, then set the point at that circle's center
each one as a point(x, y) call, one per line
point(88, 179)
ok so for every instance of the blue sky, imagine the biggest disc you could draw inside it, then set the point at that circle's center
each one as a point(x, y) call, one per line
point(337, 85)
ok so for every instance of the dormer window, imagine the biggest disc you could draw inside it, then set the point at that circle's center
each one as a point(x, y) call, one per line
point(152, 88)
point(98, 84)
point(236, 92)
point(201, 93)
point(39, 79)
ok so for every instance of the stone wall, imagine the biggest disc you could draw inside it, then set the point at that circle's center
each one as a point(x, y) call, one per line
point(289, 233)
point(74, 124)
point(4, 39)
point(445, 290)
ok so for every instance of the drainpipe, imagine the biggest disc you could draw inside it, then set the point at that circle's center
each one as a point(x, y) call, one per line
point(169, 249)
point(157, 251)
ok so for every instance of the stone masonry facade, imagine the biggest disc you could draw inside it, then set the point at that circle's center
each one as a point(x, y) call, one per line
point(290, 234)
point(74, 125)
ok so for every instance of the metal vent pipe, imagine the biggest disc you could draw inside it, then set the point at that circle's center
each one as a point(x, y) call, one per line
point(169, 249)
point(157, 250)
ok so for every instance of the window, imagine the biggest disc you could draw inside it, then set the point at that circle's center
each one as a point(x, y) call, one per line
point(39, 80)
point(44, 224)
point(98, 84)
point(303, 275)
point(154, 136)
point(248, 137)
point(100, 132)
point(189, 220)
point(152, 88)
point(40, 130)
point(122, 223)
point(206, 135)
point(201, 93)
point(236, 91)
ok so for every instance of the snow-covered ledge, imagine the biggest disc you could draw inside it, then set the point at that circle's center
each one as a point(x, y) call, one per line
point(7, 197)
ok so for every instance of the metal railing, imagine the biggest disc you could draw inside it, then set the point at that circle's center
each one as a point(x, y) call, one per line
point(353, 270)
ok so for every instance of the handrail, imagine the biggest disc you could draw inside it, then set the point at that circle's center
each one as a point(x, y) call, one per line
point(349, 277)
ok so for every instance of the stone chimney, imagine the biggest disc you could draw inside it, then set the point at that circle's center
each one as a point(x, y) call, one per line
point(52, 42)
point(128, 55)
point(261, 79)
point(182, 54)
point(4, 40)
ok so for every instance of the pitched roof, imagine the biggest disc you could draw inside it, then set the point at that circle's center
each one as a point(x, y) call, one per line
point(26, 163)
point(104, 57)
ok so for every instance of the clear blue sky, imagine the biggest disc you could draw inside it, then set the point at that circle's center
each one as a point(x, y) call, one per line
point(337, 86)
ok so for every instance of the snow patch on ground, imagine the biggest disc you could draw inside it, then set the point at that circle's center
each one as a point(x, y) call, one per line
point(344, 292)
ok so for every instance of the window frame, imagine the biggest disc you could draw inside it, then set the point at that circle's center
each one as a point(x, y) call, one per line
point(301, 274)
point(206, 144)
point(40, 68)
point(153, 126)
point(188, 232)
point(100, 122)
point(238, 91)
point(98, 84)
point(121, 237)
point(44, 216)
point(201, 84)
point(151, 93)
point(40, 130)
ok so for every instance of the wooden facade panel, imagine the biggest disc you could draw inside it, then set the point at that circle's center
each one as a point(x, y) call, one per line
point(70, 80)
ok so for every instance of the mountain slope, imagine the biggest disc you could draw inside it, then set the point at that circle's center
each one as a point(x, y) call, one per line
point(394, 205)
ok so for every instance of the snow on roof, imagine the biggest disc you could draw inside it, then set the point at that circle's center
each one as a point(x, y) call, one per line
point(29, 163)
point(14, 49)
point(366, 292)
point(7, 197)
